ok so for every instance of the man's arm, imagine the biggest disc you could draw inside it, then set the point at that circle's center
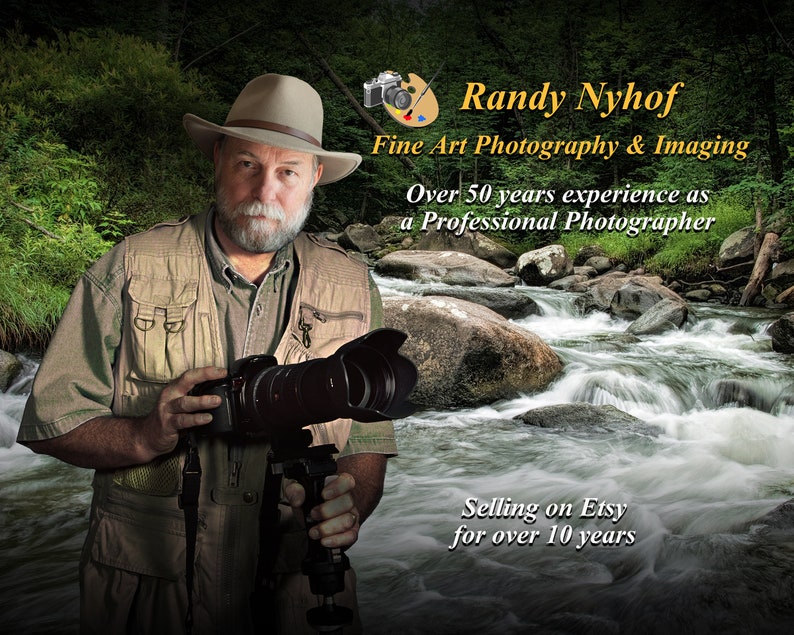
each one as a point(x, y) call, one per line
point(116, 442)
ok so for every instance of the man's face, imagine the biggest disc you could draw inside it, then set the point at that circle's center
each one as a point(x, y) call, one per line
point(263, 194)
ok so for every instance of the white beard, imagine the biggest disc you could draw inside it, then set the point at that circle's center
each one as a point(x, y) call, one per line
point(257, 235)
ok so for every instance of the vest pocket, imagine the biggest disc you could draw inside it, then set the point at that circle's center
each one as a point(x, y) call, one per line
point(160, 309)
point(317, 327)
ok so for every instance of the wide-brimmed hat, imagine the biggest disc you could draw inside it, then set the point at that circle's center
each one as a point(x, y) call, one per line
point(280, 111)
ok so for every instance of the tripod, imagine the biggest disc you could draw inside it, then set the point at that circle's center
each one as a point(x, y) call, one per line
point(325, 567)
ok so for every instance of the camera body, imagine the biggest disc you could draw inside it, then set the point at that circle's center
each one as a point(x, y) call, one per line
point(365, 379)
point(386, 88)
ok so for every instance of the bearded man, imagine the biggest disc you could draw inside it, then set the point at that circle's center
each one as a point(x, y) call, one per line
point(171, 308)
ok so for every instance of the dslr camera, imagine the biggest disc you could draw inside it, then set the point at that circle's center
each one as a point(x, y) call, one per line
point(386, 87)
point(366, 380)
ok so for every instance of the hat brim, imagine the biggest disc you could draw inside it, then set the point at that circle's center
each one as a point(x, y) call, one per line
point(336, 165)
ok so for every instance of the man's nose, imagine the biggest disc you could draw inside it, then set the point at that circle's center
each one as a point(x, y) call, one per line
point(265, 187)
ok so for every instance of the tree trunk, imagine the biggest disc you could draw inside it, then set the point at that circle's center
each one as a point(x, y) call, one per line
point(762, 265)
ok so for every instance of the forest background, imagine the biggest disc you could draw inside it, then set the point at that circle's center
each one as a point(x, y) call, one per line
point(92, 95)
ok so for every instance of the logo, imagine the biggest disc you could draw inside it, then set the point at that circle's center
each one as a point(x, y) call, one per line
point(410, 103)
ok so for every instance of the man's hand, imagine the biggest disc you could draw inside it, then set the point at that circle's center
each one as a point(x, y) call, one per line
point(337, 518)
point(176, 410)
point(115, 442)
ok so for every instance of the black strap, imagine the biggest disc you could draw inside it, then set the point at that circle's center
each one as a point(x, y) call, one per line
point(188, 501)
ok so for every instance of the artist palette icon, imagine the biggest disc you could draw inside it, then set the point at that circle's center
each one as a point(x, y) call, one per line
point(410, 103)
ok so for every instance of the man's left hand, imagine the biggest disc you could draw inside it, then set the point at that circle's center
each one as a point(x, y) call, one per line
point(337, 518)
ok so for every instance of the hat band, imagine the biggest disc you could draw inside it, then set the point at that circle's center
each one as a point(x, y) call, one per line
point(275, 127)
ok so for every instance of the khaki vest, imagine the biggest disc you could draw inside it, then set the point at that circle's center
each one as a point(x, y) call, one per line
point(170, 325)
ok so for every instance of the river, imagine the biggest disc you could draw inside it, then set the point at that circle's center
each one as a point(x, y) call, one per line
point(651, 529)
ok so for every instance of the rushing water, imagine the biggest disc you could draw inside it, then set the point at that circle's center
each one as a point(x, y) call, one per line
point(688, 554)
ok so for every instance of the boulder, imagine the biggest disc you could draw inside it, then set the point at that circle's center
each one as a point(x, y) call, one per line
point(10, 367)
point(665, 315)
point(584, 417)
point(360, 237)
point(698, 295)
point(564, 284)
point(449, 267)
point(601, 264)
point(509, 303)
point(472, 243)
point(737, 248)
point(586, 252)
point(779, 279)
point(541, 266)
point(638, 295)
point(466, 354)
point(597, 293)
point(782, 333)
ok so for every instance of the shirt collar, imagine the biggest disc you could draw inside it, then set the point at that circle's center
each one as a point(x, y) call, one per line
point(223, 271)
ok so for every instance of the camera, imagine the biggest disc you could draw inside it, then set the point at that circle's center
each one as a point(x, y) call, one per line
point(366, 380)
point(386, 87)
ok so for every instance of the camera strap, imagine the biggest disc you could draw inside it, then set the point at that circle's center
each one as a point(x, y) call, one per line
point(188, 502)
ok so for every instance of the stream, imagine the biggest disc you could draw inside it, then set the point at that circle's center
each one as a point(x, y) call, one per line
point(488, 525)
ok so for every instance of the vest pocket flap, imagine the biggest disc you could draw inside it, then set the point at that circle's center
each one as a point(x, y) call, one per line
point(168, 298)
point(155, 548)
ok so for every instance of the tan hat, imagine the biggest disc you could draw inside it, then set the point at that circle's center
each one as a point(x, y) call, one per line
point(280, 111)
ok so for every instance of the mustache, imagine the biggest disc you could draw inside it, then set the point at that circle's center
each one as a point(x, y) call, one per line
point(266, 210)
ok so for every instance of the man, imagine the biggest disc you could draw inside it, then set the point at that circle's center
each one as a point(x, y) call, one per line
point(172, 307)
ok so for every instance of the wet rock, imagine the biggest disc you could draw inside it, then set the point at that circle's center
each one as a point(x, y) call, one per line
point(509, 303)
point(472, 243)
point(542, 266)
point(737, 393)
point(449, 267)
point(10, 367)
point(779, 279)
point(597, 294)
point(587, 417)
point(665, 315)
point(780, 519)
point(466, 354)
point(638, 295)
point(782, 333)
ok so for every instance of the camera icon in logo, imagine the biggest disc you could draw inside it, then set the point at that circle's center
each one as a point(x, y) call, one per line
point(410, 103)
point(386, 88)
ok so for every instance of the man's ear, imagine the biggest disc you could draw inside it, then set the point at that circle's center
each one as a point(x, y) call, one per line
point(317, 174)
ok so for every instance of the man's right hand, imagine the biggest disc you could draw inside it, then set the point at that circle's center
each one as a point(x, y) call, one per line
point(116, 442)
point(176, 410)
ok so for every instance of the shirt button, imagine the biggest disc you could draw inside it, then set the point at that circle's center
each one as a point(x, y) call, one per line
point(249, 497)
point(258, 310)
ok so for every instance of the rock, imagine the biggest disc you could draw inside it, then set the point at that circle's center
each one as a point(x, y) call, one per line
point(509, 303)
point(601, 264)
point(698, 295)
point(597, 293)
point(466, 354)
point(360, 237)
point(782, 333)
point(737, 393)
point(737, 248)
point(780, 519)
point(449, 267)
point(10, 367)
point(472, 243)
point(638, 295)
point(779, 279)
point(584, 417)
point(585, 271)
point(564, 284)
point(586, 252)
point(542, 266)
point(665, 315)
